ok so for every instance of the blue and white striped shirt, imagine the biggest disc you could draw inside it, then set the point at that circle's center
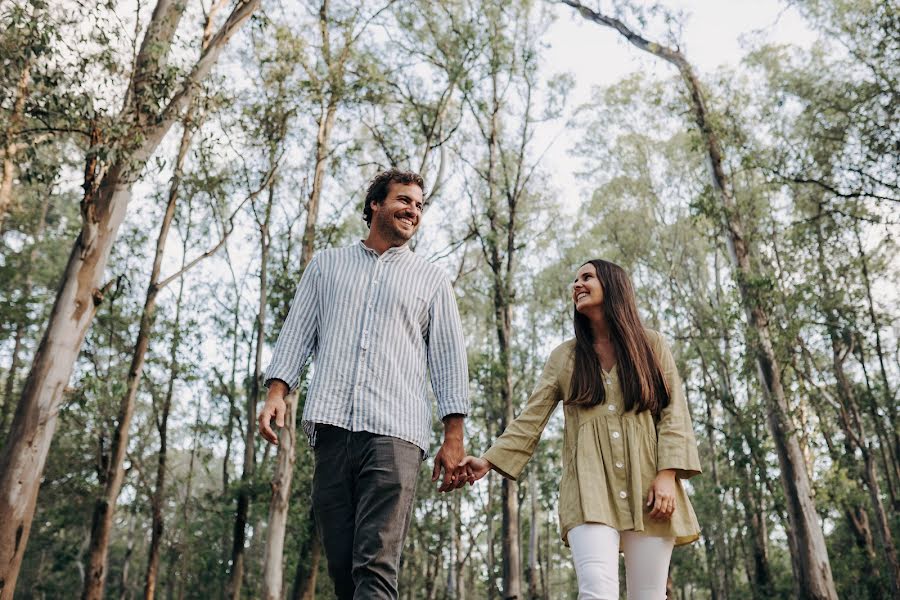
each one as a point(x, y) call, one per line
point(374, 323)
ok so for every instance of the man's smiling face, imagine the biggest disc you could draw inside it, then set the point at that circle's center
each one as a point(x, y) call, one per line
point(397, 218)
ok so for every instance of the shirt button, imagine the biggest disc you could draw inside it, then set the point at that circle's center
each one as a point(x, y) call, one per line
point(623, 494)
point(619, 464)
point(611, 408)
point(615, 435)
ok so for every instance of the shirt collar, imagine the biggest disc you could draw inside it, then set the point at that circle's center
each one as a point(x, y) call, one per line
point(393, 253)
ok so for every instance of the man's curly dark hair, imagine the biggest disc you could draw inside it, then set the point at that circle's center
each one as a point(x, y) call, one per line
point(378, 188)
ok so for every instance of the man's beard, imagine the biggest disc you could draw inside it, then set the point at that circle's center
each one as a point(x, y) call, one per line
point(392, 231)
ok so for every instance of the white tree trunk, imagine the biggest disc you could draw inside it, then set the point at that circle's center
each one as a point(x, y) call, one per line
point(25, 452)
point(273, 559)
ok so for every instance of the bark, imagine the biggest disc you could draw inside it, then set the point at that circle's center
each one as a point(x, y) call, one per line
point(107, 192)
point(858, 519)
point(236, 574)
point(811, 566)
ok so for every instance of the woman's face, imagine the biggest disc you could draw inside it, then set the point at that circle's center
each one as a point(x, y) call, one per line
point(587, 292)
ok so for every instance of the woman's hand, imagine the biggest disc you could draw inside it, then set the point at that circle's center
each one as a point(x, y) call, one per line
point(662, 495)
point(475, 468)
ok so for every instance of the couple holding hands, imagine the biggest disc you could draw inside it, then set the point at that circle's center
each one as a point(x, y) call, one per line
point(381, 321)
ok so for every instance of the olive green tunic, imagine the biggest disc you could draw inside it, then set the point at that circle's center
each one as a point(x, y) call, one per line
point(610, 457)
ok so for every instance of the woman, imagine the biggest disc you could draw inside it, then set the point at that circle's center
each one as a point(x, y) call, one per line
point(627, 442)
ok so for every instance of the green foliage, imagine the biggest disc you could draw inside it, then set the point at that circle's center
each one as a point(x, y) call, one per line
point(459, 90)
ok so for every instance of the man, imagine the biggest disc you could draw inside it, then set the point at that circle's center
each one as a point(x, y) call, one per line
point(375, 316)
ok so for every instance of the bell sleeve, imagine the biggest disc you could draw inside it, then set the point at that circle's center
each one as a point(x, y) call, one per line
point(513, 449)
point(676, 446)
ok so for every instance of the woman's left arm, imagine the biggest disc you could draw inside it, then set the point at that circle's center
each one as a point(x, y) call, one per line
point(676, 448)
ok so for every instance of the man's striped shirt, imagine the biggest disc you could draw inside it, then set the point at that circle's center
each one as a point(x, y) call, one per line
point(374, 325)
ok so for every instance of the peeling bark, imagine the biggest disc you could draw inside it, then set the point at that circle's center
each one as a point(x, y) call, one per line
point(81, 289)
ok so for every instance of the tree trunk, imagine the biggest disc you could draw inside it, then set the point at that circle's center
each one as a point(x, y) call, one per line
point(858, 519)
point(812, 570)
point(124, 592)
point(761, 582)
point(307, 572)
point(502, 295)
point(451, 591)
point(81, 290)
point(162, 427)
point(243, 502)
point(273, 581)
point(34, 423)
point(491, 553)
point(176, 569)
point(273, 557)
point(715, 546)
point(105, 505)
point(891, 404)
point(849, 416)
point(230, 387)
point(533, 539)
point(461, 557)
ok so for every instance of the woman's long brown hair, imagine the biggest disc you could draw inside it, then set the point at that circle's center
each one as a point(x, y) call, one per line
point(643, 384)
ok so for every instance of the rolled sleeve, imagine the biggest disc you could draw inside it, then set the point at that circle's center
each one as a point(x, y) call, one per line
point(299, 335)
point(514, 448)
point(676, 444)
point(446, 354)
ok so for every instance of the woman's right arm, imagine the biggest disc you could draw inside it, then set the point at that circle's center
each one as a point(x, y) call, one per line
point(513, 449)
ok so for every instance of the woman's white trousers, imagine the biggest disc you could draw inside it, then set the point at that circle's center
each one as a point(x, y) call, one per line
point(595, 550)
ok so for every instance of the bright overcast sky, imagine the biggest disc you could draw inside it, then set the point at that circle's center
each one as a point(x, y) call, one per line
point(712, 37)
point(716, 33)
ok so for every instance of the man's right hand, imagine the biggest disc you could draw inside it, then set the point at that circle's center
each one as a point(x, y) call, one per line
point(274, 408)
